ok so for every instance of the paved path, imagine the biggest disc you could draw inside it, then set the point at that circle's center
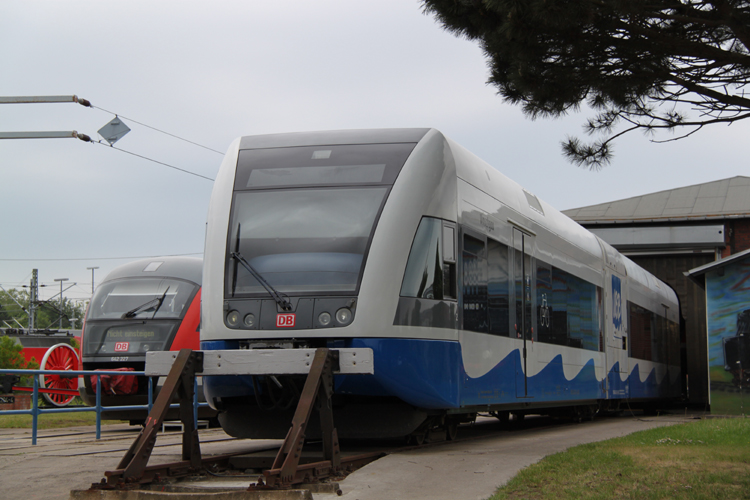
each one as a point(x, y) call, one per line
point(474, 469)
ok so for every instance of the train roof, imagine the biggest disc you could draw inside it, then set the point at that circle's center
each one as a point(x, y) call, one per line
point(186, 268)
point(483, 176)
point(488, 179)
point(333, 137)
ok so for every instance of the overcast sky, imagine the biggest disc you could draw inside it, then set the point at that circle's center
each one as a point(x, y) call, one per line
point(210, 72)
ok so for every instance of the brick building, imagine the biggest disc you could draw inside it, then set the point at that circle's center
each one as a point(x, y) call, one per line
point(671, 232)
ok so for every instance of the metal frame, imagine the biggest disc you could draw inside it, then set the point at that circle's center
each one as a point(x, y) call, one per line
point(35, 410)
point(286, 471)
point(180, 382)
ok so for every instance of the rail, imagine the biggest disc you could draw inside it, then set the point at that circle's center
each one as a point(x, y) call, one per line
point(35, 410)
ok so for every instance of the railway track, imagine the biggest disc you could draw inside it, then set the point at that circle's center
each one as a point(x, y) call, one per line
point(247, 463)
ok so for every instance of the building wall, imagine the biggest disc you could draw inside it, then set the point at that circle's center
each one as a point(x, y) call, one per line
point(670, 268)
point(727, 298)
point(737, 236)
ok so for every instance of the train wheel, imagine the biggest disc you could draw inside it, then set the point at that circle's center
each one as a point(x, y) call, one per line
point(503, 416)
point(577, 415)
point(451, 429)
point(59, 357)
point(418, 437)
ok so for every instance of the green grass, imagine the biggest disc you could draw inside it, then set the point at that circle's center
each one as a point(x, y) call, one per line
point(53, 420)
point(709, 459)
point(730, 403)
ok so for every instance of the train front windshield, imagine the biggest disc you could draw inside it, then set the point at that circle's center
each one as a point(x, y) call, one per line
point(302, 217)
point(133, 316)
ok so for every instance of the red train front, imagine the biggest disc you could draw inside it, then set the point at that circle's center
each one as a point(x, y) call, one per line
point(147, 305)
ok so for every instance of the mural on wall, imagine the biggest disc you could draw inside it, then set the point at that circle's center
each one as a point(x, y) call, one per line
point(728, 304)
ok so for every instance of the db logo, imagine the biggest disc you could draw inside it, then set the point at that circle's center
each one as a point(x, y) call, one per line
point(284, 320)
point(122, 346)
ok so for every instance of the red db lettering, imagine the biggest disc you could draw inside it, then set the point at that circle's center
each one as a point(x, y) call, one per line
point(284, 320)
point(122, 346)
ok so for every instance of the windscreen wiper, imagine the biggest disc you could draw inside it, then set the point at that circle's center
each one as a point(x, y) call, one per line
point(234, 268)
point(146, 306)
point(281, 299)
point(161, 301)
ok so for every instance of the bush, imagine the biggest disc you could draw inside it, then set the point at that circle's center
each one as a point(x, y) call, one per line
point(11, 358)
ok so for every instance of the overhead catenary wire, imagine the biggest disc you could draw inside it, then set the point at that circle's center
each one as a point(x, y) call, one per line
point(86, 138)
point(151, 159)
point(158, 130)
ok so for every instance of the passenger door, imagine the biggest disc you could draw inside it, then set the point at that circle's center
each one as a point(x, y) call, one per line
point(523, 297)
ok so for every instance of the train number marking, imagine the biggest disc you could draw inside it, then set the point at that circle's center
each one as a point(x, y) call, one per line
point(118, 358)
point(122, 346)
point(285, 320)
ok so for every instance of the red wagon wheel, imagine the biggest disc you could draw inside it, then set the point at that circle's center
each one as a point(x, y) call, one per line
point(59, 357)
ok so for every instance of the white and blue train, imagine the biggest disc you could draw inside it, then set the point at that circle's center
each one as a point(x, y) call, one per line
point(473, 294)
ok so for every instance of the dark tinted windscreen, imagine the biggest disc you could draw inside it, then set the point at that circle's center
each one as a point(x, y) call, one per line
point(143, 298)
point(302, 240)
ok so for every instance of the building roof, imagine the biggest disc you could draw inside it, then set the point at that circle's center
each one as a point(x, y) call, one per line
point(698, 275)
point(727, 198)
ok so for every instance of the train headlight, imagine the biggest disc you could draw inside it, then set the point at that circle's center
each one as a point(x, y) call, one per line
point(233, 319)
point(343, 316)
point(324, 319)
point(249, 320)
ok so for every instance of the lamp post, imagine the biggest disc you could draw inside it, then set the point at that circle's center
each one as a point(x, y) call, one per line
point(92, 279)
point(61, 280)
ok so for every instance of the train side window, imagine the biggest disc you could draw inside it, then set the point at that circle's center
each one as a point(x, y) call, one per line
point(548, 330)
point(568, 309)
point(428, 275)
point(475, 285)
point(643, 334)
point(498, 291)
point(449, 243)
point(449, 260)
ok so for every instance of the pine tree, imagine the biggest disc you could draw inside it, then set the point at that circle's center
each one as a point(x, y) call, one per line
point(641, 65)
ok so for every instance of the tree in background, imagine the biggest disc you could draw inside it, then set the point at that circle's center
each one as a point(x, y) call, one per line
point(47, 312)
point(11, 358)
point(641, 65)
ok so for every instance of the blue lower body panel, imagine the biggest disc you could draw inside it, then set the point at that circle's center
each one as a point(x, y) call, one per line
point(423, 373)
point(430, 374)
point(651, 387)
point(506, 384)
